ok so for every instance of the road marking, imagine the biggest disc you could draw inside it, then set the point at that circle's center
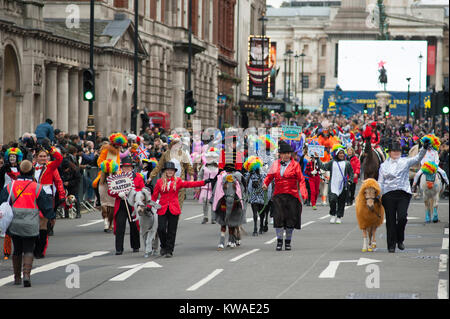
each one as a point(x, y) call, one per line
point(326, 216)
point(442, 289)
point(443, 259)
point(330, 271)
point(446, 231)
point(205, 280)
point(244, 254)
point(91, 223)
point(134, 269)
point(303, 225)
point(57, 264)
point(196, 216)
point(444, 243)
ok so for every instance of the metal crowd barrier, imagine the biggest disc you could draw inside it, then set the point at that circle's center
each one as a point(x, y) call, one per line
point(88, 176)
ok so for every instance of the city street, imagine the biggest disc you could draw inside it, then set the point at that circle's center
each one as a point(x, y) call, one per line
point(325, 262)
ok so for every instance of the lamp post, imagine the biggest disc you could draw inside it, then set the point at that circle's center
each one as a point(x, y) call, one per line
point(135, 96)
point(91, 122)
point(420, 58)
point(296, 56)
point(287, 55)
point(407, 111)
point(303, 57)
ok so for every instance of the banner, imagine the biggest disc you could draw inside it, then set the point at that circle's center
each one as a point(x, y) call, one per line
point(431, 57)
point(258, 66)
point(293, 133)
point(357, 99)
point(313, 149)
point(121, 183)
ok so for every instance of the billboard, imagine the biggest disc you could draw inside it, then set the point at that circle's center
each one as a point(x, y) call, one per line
point(258, 66)
point(359, 64)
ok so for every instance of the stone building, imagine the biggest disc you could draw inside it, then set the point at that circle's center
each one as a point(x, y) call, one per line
point(316, 30)
point(44, 48)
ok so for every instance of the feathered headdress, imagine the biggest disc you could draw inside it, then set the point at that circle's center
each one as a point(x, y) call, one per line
point(253, 163)
point(429, 168)
point(109, 166)
point(118, 139)
point(14, 151)
point(434, 141)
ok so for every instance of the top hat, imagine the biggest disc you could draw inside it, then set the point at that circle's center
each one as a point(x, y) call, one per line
point(394, 146)
point(284, 147)
point(169, 165)
point(126, 161)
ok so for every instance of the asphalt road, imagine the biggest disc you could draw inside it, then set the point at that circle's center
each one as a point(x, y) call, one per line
point(325, 262)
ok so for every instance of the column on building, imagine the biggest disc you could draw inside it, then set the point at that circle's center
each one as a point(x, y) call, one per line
point(176, 111)
point(73, 100)
point(439, 69)
point(63, 99)
point(51, 93)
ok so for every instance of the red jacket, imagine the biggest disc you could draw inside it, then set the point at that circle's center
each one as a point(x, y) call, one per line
point(289, 182)
point(356, 166)
point(169, 199)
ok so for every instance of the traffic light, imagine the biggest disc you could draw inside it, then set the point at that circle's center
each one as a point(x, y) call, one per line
point(412, 113)
point(189, 103)
point(296, 109)
point(365, 109)
point(88, 85)
point(445, 106)
point(387, 112)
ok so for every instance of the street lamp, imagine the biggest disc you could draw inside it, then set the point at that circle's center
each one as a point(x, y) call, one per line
point(420, 58)
point(302, 56)
point(287, 55)
point(263, 85)
point(296, 56)
point(407, 111)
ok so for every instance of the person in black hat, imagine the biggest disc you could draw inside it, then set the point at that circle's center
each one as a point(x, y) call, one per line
point(396, 192)
point(168, 186)
point(288, 177)
point(121, 209)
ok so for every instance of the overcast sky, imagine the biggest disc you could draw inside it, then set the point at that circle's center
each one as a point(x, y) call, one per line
point(274, 3)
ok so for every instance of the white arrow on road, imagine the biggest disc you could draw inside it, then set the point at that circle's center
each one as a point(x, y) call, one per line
point(330, 271)
point(134, 269)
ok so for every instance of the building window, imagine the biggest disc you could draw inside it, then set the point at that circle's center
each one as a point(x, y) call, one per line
point(323, 50)
point(305, 81)
point(322, 81)
point(305, 49)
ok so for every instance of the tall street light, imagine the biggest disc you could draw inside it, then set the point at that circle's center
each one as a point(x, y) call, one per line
point(287, 55)
point(302, 55)
point(296, 56)
point(91, 123)
point(407, 111)
point(420, 58)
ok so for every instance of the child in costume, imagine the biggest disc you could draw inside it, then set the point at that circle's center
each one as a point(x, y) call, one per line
point(254, 180)
point(107, 168)
point(209, 170)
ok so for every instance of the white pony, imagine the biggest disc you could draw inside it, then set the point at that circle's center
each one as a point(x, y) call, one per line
point(147, 217)
point(431, 186)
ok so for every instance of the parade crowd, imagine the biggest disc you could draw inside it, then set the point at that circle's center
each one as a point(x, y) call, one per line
point(46, 174)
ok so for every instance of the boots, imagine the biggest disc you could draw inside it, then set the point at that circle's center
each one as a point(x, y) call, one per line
point(106, 224)
point(287, 244)
point(17, 266)
point(27, 265)
point(279, 244)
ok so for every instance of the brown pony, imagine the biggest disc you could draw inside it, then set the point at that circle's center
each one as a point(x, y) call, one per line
point(369, 212)
point(370, 161)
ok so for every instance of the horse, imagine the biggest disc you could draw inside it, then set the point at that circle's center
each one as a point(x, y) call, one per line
point(148, 219)
point(370, 161)
point(228, 208)
point(431, 186)
point(369, 212)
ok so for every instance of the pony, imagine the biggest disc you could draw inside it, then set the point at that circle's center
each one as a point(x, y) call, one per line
point(369, 212)
point(431, 185)
point(145, 212)
point(370, 160)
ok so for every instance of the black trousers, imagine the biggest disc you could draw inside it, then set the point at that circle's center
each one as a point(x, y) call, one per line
point(23, 245)
point(167, 230)
point(256, 208)
point(121, 223)
point(351, 194)
point(337, 203)
point(395, 205)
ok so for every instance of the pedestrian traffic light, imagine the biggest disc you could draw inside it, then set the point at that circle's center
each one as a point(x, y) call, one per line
point(189, 103)
point(88, 85)
point(365, 109)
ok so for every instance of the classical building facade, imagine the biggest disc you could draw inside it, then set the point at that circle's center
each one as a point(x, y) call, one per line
point(316, 31)
point(44, 46)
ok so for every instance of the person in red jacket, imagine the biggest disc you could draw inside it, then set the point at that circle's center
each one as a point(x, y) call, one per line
point(230, 154)
point(356, 165)
point(121, 210)
point(288, 177)
point(168, 187)
point(313, 172)
point(44, 174)
point(371, 131)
